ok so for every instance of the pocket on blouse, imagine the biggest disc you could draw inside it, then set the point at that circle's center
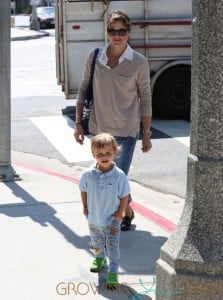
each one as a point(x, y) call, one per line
point(125, 81)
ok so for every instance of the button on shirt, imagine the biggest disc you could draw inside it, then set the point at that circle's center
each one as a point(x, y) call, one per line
point(104, 191)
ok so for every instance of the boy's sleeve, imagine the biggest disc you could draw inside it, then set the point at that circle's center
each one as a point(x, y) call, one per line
point(83, 183)
point(124, 187)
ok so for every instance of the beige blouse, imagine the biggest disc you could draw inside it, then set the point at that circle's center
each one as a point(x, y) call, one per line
point(121, 95)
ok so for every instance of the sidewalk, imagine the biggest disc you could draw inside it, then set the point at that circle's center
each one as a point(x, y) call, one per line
point(24, 33)
point(45, 247)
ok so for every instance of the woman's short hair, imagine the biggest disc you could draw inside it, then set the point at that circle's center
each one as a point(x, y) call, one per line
point(119, 16)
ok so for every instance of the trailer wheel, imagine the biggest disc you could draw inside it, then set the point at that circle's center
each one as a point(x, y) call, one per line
point(172, 93)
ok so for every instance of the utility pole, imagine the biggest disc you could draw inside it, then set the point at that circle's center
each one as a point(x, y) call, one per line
point(191, 261)
point(6, 171)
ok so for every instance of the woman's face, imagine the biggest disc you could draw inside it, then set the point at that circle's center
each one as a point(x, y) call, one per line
point(117, 34)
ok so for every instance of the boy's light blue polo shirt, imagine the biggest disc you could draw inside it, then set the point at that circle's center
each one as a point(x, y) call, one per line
point(104, 191)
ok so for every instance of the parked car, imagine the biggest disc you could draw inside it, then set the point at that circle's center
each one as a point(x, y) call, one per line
point(45, 16)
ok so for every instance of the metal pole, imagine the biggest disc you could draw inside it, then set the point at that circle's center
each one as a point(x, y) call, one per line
point(34, 24)
point(6, 171)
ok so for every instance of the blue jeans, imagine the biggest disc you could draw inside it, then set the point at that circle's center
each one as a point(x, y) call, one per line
point(124, 159)
point(105, 240)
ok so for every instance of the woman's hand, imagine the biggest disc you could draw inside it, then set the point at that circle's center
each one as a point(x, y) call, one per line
point(146, 143)
point(79, 134)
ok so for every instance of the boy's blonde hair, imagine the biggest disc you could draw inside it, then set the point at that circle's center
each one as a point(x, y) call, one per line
point(101, 140)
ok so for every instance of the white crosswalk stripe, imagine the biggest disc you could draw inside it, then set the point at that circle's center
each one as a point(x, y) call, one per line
point(177, 129)
point(59, 131)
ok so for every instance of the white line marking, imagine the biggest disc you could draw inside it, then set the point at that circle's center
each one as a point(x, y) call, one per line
point(177, 129)
point(59, 131)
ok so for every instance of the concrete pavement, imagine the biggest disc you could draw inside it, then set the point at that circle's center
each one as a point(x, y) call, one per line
point(45, 248)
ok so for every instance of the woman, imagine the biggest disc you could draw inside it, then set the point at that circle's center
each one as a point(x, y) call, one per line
point(122, 96)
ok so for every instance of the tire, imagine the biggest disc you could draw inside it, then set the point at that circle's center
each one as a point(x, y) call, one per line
point(42, 25)
point(172, 93)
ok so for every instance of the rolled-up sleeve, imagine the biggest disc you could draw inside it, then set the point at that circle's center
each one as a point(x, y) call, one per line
point(124, 187)
point(144, 91)
point(83, 183)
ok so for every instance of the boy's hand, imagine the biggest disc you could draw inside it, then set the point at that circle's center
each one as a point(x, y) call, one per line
point(85, 211)
point(118, 216)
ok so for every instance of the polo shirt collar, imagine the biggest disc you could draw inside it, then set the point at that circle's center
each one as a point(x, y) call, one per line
point(106, 173)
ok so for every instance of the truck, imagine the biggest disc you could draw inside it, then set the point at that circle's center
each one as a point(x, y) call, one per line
point(160, 30)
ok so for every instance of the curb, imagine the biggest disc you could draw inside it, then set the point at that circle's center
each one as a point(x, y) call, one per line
point(35, 35)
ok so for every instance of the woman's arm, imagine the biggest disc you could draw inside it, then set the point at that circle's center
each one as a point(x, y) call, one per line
point(146, 142)
point(78, 130)
point(144, 91)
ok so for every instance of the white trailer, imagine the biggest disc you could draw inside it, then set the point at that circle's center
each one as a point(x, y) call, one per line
point(161, 30)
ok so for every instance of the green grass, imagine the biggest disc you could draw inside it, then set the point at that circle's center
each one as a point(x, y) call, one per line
point(25, 10)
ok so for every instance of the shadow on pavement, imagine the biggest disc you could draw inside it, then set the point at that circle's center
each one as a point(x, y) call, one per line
point(42, 213)
point(124, 291)
point(139, 251)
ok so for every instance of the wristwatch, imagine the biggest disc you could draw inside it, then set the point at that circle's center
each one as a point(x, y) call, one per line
point(147, 131)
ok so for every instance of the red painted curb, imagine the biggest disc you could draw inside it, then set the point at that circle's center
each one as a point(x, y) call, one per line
point(154, 217)
point(142, 210)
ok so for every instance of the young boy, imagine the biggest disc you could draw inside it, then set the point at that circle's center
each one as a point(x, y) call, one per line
point(104, 194)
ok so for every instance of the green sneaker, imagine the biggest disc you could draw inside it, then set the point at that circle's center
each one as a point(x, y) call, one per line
point(112, 280)
point(98, 264)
